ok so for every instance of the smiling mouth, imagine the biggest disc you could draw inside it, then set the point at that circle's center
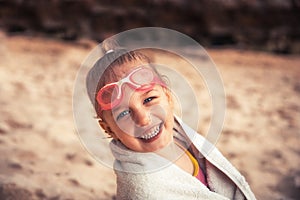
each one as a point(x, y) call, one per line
point(152, 134)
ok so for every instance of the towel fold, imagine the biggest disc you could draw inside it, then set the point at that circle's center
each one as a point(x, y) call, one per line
point(150, 176)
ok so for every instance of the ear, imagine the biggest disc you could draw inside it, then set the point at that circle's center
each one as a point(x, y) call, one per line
point(107, 129)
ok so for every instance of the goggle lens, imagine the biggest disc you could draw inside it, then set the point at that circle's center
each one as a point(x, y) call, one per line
point(108, 94)
point(142, 76)
point(139, 79)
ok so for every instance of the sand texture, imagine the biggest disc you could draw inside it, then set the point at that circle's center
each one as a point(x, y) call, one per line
point(43, 158)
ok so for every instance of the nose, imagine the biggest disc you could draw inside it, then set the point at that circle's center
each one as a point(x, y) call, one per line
point(141, 117)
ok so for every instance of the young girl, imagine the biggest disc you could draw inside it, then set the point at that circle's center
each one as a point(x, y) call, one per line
point(157, 156)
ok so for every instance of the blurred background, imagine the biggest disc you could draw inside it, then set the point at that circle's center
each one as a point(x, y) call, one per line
point(271, 25)
point(255, 45)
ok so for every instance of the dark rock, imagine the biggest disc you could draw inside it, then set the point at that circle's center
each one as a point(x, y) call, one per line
point(13, 192)
point(269, 25)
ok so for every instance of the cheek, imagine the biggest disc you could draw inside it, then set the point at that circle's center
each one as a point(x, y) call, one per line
point(169, 104)
point(168, 98)
point(111, 123)
point(163, 110)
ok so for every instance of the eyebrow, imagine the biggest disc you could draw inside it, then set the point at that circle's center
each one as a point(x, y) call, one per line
point(116, 110)
point(153, 89)
point(119, 107)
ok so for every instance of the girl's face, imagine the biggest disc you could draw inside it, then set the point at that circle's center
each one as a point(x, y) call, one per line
point(143, 121)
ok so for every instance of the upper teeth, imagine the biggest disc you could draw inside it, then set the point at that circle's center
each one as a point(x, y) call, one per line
point(153, 132)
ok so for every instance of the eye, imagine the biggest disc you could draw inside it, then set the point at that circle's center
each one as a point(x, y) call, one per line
point(123, 114)
point(147, 100)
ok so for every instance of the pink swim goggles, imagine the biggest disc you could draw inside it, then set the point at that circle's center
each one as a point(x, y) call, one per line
point(140, 79)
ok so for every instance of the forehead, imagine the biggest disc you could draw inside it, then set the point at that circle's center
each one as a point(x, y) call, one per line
point(122, 70)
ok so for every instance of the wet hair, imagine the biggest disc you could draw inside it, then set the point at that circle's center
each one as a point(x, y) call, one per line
point(103, 71)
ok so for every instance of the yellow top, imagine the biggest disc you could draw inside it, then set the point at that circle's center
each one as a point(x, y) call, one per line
point(194, 161)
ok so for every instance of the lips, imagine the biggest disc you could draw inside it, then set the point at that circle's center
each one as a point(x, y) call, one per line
point(151, 134)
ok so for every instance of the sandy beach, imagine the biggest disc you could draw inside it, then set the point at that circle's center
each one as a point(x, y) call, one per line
point(42, 156)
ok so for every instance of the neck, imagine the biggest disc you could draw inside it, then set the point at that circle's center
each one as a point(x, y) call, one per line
point(171, 152)
point(175, 152)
